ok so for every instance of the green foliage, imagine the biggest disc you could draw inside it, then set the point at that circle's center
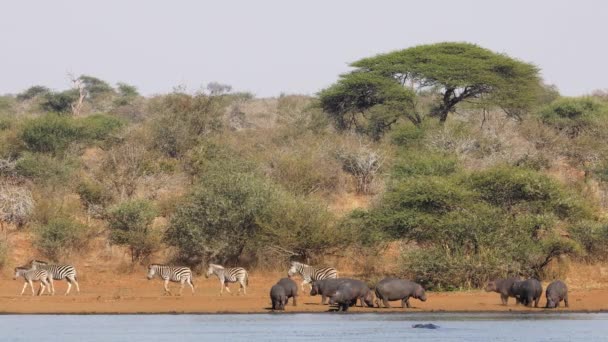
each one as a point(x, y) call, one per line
point(593, 237)
point(95, 87)
point(230, 213)
point(131, 225)
point(461, 71)
point(413, 163)
point(181, 120)
point(367, 102)
point(53, 133)
point(60, 236)
point(44, 168)
point(573, 115)
point(59, 102)
point(126, 94)
point(7, 105)
point(33, 92)
point(93, 195)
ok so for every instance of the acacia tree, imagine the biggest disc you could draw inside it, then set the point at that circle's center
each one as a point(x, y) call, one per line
point(367, 102)
point(458, 72)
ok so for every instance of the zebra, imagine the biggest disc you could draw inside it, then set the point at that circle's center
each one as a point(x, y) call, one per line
point(176, 274)
point(310, 274)
point(30, 275)
point(229, 275)
point(58, 272)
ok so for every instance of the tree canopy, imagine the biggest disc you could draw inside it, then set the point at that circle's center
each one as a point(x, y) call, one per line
point(455, 71)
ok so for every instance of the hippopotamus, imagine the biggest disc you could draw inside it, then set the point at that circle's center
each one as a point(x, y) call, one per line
point(425, 326)
point(398, 289)
point(527, 291)
point(556, 292)
point(502, 286)
point(291, 289)
point(326, 287)
point(278, 297)
point(349, 291)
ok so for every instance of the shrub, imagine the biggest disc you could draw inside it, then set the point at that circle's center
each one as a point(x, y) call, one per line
point(16, 204)
point(32, 92)
point(181, 120)
point(60, 236)
point(44, 168)
point(131, 225)
point(94, 197)
point(59, 102)
point(97, 127)
point(573, 115)
point(50, 133)
point(424, 164)
point(306, 172)
point(593, 237)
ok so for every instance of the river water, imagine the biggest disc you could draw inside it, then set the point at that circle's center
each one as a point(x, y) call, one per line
point(307, 327)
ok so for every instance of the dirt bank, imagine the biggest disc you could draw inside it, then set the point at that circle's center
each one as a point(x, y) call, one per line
point(135, 294)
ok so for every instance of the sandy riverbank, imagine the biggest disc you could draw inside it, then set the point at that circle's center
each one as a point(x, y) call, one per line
point(135, 294)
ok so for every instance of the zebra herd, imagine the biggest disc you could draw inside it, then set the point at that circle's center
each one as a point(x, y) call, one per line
point(46, 273)
point(183, 275)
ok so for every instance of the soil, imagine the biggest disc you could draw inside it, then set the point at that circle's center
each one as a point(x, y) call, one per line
point(135, 294)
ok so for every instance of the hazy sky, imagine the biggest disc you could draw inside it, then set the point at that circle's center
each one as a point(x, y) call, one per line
point(268, 47)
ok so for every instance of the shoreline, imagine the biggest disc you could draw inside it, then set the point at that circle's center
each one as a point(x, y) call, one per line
point(514, 313)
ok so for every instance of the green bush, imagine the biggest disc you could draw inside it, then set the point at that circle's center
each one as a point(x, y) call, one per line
point(131, 225)
point(59, 102)
point(50, 133)
point(424, 164)
point(94, 196)
point(97, 127)
point(573, 115)
point(44, 168)
point(593, 237)
point(230, 214)
point(60, 236)
point(53, 133)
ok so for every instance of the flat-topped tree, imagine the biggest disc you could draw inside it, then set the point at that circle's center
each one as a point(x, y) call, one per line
point(367, 102)
point(459, 71)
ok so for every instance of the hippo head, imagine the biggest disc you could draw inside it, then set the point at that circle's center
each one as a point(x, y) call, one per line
point(420, 294)
point(369, 299)
point(314, 290)
point(551, 304)
point(491, 286)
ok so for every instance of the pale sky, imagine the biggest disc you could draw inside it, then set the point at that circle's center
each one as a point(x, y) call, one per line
point(272, 46)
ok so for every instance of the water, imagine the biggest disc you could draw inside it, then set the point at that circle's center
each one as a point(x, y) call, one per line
point(307, 327)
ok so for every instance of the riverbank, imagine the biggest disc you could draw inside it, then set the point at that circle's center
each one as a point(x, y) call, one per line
point(135, 294)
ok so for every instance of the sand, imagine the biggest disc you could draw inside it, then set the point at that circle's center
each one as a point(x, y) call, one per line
point(136, 294)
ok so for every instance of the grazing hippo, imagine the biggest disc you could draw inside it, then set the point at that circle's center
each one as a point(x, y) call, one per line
point(527, 291)
point(278, 297)
point(502, 286)
point(398, 289)
point(425, 326)
point(326, 288)
point(556, 292)
point(349, 291)
point(291, 289)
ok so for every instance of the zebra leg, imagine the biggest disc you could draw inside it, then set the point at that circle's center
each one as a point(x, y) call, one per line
point(77, 286)
point(181, 289)
point(32, 286)
point(191, 285)
point(69, 287)
point(227, 288)
point(24, 287)
point(43, 285)
point(52, 285)
point(167, 287)
point(304, 282)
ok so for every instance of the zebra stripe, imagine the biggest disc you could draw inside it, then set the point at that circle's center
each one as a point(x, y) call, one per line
point(229, 275)
point(310, 274)
point(31, 275)
point(58, 272)
point(176, 274)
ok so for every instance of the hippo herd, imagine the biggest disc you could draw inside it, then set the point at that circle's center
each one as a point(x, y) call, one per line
point(529, 291)
point(346, 292)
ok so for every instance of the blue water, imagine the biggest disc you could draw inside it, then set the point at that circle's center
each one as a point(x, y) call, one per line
point(306, 327)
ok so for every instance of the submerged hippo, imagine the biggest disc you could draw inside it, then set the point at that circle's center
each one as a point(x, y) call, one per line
point(389, 289)
point(527, 291)
point(326, 288)
point(425, 326)
point(502, 286)
point(291, 289)
point(349, 291)
point(556, 292)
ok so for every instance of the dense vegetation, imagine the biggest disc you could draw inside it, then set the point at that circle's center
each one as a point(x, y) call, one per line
point(513, 181)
